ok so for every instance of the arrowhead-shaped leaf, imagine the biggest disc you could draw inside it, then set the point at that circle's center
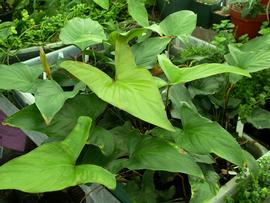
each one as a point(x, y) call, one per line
point(29, 118)
point(178, 75)
point(134, 90)
point(51, 166)
point(186, 23)
point(19, 77)
point(82, 33)
point(203, 136)
point(156, 154)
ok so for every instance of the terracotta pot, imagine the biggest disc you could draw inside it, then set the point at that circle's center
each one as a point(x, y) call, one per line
point(264, 2)
point(246, 25)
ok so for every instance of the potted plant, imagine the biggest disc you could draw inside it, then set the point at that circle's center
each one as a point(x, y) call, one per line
point(248, 16)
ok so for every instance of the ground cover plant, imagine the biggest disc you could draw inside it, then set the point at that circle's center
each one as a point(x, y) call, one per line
point(253, 187)
point(116, 122)
point(39, 27)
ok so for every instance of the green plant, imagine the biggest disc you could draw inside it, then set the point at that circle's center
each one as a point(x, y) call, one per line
point(141, 123)
point(254, 95)
point(194, 55)
point(248, 7)
point(264, 30)
point(224, 35)
point(35, 31)
point(230, 97)
point(253, 187)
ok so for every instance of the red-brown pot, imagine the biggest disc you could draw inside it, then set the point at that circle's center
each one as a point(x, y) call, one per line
point(246, 25)
point(264, 2)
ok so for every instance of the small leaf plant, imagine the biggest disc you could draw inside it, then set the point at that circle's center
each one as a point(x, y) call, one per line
point(253, 187)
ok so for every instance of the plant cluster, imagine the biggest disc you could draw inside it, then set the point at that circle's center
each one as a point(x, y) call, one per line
point(224, 35)
point(253, 187)
point(194, 55)
point(117, 122)
point(264, 30)
point(247, 97)
point(36, 29)
point(253, 93)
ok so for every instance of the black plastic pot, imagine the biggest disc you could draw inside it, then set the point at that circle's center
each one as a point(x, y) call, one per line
point(6, 16)
point(166, 7)
point(31, 52)
point(217, 17)
point(204, 12)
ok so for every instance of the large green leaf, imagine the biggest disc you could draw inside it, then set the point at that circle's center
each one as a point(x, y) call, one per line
point(29, 118)
point(257, 44)
point(134, 90)
point(203, 136)
point(178, 75)
point(103, 3)
point(251, 61)
point(51, 166)
point(19, 77)
point(156, 154)
point(50, 98)
point(186, 23)
point(146, 52)
point(137, 10)
point(82, 33)
point(259, 118)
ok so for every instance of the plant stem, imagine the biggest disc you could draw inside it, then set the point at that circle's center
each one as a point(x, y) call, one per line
point(226, 102)
point(167, 96)
point(83, 56)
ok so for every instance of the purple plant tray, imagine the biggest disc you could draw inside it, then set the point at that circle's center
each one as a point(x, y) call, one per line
point(12, 138)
